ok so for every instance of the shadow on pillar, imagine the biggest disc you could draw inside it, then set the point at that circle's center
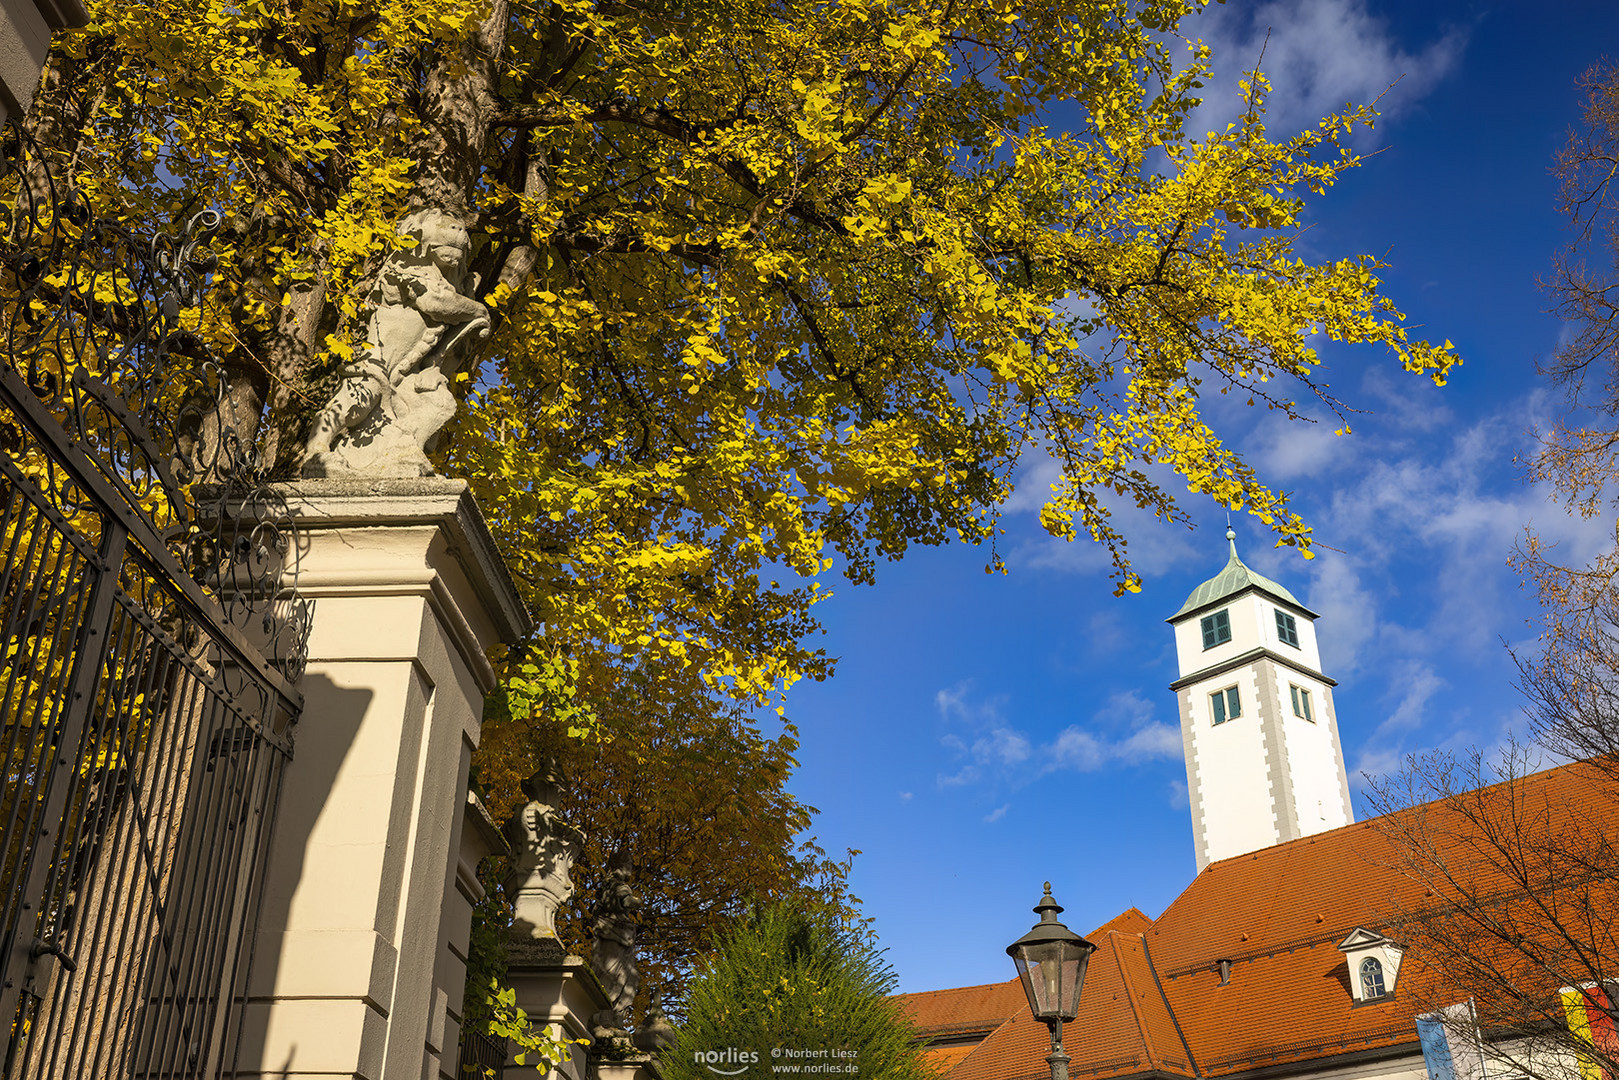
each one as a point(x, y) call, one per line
point(324, 738)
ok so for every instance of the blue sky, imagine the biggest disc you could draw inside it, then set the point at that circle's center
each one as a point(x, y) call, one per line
point(986, 733)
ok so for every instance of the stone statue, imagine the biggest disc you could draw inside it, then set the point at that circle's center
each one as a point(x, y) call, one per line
point(544, 848)
point(612, 956)
point(655, 1032)
point(396, 395)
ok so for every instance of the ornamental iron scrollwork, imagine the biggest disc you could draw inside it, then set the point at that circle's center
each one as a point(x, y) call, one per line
point(106, 328)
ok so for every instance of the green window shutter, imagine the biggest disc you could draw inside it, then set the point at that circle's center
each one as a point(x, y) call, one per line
point(1216, 629)
point(1295, 692)
point(1217, 699)
point(1287, 628)
point(1304, 698)
point(1233, 703)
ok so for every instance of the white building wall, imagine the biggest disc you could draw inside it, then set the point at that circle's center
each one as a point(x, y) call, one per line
point(1253, 624)
point(1315, 771)
point(1228, 773)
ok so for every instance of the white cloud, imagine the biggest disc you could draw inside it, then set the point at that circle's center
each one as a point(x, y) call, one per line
point(1347, 607)
point(1318, 56)
point(1123, 732)
point(1155, 546)
point(1415, 683)
point(996, 814)
point(1451, 507)
point(1284, 450)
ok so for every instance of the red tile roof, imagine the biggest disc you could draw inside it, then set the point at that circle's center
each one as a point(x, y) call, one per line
point(967, 1007)
point(1153, 1003)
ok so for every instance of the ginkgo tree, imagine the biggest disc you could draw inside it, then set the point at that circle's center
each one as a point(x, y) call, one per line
point(777, 286)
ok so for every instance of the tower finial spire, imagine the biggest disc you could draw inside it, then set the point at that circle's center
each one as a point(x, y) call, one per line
point(1231, 537)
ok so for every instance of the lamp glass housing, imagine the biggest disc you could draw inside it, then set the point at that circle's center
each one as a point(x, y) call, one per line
point(1052, 973)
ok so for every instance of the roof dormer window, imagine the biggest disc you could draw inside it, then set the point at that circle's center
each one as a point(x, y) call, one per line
point(1216, 628)
point(1374, 965)
point(1371, 979)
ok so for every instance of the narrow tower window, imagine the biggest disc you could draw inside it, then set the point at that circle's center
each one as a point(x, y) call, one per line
point(1301, 702)
point(1216, 629)
point(1227, 704)
point(1287, 628)
point(1371, 978)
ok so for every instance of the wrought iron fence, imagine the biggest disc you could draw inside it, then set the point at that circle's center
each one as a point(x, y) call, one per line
point(481, 1055)
point(151, 640)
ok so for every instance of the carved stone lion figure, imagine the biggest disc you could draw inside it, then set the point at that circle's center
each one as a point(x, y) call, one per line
point(612, 954)
point(396, 395)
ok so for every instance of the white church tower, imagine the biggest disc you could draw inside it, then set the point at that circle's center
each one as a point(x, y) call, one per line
point(1263, 760)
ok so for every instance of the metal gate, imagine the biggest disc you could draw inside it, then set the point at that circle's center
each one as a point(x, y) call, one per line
point(150, 640)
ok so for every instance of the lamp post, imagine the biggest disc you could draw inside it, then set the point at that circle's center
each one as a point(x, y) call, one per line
point(1051, 962)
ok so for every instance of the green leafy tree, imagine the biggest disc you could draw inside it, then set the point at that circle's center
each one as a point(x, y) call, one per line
point(695, 794)
point(795, 985)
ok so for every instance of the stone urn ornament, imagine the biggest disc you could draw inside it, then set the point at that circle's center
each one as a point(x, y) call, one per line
point(544, 850)
point(655, 1033)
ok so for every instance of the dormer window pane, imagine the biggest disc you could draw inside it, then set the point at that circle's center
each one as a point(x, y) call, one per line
point(1216, 629)
point(1287, 628)
point(1371, 978)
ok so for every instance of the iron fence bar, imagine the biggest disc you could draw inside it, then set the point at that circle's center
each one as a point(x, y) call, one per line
point(46, 707)
point(166, 791)
point(89, 947)
point(261, 774)
point(83, 472)
point(106, 722)
point(258, 867)
point(80, 699)
point(235, 770)
point(201, 903)
point(135, 933)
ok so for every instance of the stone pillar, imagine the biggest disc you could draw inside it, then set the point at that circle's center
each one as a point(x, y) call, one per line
point(558, 991)
point(359, 960)
point(638, 1066)
point(25, 38)
point(561, 991)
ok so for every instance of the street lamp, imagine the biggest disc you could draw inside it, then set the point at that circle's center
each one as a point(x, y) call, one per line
point(1051, 963)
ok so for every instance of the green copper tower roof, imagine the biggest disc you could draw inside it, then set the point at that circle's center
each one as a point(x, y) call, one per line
point(1233, 579)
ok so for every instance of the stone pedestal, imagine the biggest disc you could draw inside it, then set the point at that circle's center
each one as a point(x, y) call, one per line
point(562, 992)
point(359, 960)
point(635, 1067)
point(556, 990)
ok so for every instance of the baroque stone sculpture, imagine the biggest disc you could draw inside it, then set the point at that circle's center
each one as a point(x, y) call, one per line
point(544, 848)
point(612, 955)
point(396, 395)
